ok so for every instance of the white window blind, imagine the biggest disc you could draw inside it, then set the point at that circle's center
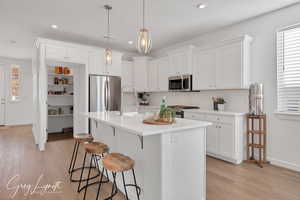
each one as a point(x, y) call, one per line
point(288, 70)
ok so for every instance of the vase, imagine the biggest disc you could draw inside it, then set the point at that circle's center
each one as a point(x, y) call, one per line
point(221, 107)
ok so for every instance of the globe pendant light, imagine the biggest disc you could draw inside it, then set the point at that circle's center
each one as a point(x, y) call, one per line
point(144, 43)
point(108, 51)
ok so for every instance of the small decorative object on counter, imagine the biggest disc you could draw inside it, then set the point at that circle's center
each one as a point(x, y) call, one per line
point(219, 103)
point(165, 116)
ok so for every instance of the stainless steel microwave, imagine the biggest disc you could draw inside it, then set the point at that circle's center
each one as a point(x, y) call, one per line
point(180, 83)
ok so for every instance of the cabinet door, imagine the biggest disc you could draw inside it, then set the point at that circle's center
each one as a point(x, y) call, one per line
point(227, 140)
point(163, 74)
point(115, 68)
point(152, 76)
point(77, 55)
point(56, 52)
point(179, 64)
point(96, 62)
point(212, 139)
point(204, 69)
point(229, 67)
point(140, 71)
point(127, 76)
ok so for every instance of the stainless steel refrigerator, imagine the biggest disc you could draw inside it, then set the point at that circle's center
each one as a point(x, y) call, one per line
point(104, 93)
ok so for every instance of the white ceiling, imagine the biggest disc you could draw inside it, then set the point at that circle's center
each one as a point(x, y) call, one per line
point(84, 21)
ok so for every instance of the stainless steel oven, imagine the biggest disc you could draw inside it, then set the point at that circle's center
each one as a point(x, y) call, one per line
point(180, 83)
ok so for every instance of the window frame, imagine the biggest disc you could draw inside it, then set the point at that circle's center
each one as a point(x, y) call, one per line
point(286, 115)
point(11, 96)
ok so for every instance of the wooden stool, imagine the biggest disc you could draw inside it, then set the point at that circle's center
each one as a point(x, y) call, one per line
point(97, 150)
point(116, 162)
point(79, 139)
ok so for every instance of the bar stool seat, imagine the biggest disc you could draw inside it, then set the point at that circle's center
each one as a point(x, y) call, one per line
point(83, 137)
point(117, 162)
point(97, 148)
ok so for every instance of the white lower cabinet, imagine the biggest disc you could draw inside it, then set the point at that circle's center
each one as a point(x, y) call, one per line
point(224, 139)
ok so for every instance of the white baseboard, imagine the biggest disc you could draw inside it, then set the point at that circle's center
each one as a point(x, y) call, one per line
point(284, 164)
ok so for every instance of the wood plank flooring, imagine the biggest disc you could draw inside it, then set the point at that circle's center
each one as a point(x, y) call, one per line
point(19, 156)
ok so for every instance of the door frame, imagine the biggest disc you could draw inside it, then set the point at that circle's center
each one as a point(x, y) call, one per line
point(3, 99)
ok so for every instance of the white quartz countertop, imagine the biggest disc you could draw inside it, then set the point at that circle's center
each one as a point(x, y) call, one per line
point(200, 111)
point(133, 122)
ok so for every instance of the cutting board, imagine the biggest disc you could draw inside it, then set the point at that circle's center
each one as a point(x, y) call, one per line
point(155, 122)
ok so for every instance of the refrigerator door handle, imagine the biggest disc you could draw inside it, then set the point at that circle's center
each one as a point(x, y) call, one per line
point(106, 95)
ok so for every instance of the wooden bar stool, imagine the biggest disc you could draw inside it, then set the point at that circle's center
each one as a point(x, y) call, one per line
point(97, 151)
point(116, 162)
point(79, 139)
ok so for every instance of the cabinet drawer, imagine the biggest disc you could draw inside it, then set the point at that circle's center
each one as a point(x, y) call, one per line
point(194, 116)
point(220, 118)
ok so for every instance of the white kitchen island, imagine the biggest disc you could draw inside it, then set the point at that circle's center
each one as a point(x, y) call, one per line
point(170, 161)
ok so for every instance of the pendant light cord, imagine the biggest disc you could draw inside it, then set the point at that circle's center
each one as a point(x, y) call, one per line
point(108, 25)
point(143, 14)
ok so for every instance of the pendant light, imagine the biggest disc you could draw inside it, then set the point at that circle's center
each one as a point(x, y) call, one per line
point(144, 40)
point(108, 51)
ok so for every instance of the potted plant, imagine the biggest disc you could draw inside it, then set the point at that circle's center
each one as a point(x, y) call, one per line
point(219, 103)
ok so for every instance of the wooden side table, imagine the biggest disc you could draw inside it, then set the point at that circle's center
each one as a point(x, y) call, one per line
point(256, 139)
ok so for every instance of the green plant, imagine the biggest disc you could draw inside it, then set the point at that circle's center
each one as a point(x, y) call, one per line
point(167, 113)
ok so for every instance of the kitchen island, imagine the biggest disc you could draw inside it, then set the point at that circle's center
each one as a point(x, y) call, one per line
point(170, 161)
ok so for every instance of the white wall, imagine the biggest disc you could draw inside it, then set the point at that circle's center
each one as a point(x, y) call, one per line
point(18, 113)
point(283, 135)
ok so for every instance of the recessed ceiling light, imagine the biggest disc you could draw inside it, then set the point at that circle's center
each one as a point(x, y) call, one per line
point(54, 26)
point(201, 5)
point(130, 42)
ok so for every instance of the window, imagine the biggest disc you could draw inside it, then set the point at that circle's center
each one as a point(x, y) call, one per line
point(288, 70)
point(15, 83)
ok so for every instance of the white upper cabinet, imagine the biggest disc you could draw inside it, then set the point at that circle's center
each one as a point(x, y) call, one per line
point(127, 76)
point(181, 61)
point(140, 73)
point(153, 76)
point(96, 62)
point(224, 66)
point(115, 69)
point(56, 52)
point(229, 66)
point(77, 55)
point(66, 54)
point(163, 68)
point(204, 69)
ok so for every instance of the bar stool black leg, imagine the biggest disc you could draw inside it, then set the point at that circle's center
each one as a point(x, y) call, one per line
point(125, 186)
point(136, 187)
point(75, 158)
point(114, 186)
point(87, 181)
point(83, 167)
point(72, 159)
point(100, 183)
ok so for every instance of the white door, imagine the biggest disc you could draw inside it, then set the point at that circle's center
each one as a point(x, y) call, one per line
point(212, 139)
point(204, 69)
point(226, 140)
point(2, 95)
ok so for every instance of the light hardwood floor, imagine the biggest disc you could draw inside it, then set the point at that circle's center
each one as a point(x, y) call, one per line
point(19, 156)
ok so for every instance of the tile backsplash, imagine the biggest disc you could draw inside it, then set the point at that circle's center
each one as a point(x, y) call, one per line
point(236, 100)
